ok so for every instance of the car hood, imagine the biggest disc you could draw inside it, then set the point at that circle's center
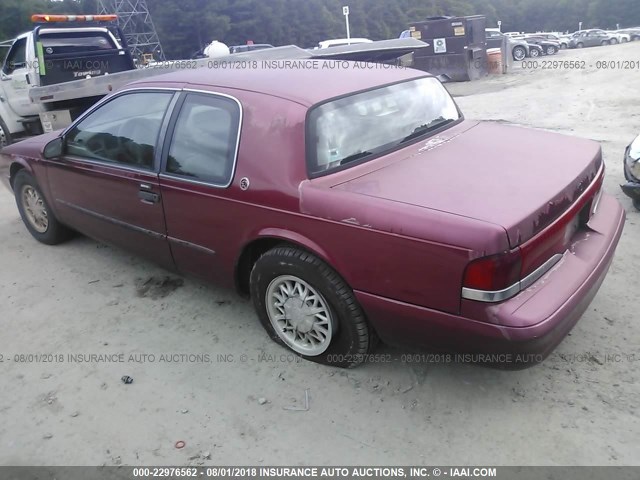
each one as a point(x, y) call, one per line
point(32, 146)
point(520, 179)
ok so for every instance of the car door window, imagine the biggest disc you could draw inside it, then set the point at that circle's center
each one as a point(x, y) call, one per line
point(123, 131)
point(16, 58)
point(205, 138)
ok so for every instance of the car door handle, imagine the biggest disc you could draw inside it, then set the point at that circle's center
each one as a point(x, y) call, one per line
point(148, 197)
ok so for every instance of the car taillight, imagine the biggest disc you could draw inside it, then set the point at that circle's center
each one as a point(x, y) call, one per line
point(494, 273)
point(497, 277)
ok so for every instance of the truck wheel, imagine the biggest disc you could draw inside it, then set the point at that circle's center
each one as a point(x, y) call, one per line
point(35, 211)
point(306, 306)
point(519, 53)
point(5, 135)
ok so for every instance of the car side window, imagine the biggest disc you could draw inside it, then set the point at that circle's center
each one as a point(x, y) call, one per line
point(123, 131)
point(205, 137)
point(16, 58)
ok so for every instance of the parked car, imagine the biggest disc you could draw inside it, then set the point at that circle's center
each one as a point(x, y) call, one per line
point(520, 49)
point(591, 38)
point(339, 42)
point(343, 201)
point(249, 47)
point(549, 47)
point(565, 40)
point(619, 37)
point(634, 33)
point(632, 172)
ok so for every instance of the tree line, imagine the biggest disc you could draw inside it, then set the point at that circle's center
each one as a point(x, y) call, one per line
point(184, 26)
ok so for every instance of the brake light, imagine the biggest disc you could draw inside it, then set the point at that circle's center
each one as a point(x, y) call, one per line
point(493, 273)
point(46, 18)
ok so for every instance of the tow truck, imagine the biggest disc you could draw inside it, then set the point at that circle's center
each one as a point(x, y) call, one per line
point(56, 51)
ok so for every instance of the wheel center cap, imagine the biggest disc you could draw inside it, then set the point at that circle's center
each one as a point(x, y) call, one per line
point(298, 315)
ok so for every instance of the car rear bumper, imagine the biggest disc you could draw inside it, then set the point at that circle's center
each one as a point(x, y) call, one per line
point(525, 328)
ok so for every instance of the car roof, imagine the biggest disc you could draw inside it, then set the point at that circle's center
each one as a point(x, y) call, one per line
point(306, 81)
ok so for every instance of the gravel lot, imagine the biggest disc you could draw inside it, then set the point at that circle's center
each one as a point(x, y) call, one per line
point(577, 408)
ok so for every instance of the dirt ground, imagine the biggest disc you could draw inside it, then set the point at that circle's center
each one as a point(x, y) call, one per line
point(580, 407)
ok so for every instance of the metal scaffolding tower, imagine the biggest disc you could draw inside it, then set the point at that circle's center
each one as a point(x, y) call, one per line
point(135, 22)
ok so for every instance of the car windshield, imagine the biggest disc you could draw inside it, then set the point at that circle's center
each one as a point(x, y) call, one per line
point(361, 125)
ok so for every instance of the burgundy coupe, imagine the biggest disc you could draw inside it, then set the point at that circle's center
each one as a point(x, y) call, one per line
point(350, 204)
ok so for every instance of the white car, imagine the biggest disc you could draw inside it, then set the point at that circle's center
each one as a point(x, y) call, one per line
point(619, 37)
point(339, 42)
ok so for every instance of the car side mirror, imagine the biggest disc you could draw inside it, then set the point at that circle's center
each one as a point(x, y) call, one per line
point(54, 148)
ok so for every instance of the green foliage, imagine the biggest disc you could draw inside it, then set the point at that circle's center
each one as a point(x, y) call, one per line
point(184, 26)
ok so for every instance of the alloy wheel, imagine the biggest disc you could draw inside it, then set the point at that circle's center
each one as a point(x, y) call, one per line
point(35, 209)
point(300, 315)
point(519, 53)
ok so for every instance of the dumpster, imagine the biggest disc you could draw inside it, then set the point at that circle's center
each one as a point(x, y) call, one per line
point(457, 48)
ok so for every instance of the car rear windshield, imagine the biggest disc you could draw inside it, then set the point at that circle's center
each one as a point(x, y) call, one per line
point(361, 126)
point(75, 42)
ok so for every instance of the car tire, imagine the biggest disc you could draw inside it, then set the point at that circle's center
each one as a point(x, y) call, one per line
point(36, 213)
point(552, 50)
point(519, 54)
point(288, 283)
point(534, 53)
point(580, 45)
point(5, 135)
point(624, 40)
point(563, 46)
point(605, 42)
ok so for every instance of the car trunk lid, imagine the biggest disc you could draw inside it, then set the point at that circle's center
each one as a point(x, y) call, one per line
point(518, 178)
